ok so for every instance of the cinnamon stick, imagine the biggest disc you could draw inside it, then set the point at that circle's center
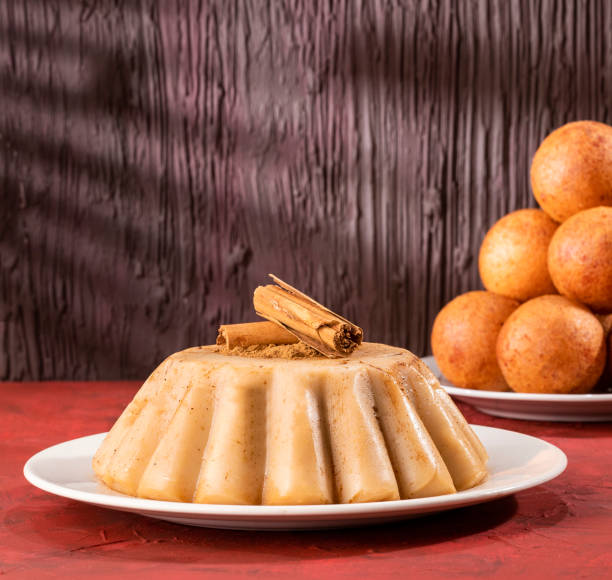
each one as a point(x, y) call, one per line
point(314, 324)
point(250, 333)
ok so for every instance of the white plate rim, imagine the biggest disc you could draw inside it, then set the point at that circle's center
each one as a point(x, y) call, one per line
point(418, 506)
point(588, 398)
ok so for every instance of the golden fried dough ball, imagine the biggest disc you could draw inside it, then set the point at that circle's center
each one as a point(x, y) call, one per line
point(580, 258)
point(551, 344)
point(463, 339)
point(572, 169)
point(513, 256)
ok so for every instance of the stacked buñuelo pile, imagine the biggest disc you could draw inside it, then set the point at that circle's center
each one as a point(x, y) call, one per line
point(543, 323)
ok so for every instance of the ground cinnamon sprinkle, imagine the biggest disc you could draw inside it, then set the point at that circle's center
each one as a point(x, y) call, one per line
point(288, 351)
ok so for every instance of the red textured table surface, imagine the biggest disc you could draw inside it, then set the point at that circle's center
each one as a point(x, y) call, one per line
point(559, 529)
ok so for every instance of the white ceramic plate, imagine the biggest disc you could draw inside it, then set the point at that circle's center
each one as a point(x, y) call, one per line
point(534, 407)
point(517, 462)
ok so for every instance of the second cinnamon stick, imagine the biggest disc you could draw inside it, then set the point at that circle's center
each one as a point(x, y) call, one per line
point(250, 333)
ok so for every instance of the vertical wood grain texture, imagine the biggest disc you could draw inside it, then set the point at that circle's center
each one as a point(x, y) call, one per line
point(157, 159)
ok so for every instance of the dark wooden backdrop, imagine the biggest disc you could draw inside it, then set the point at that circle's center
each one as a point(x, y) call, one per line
point(157, 159)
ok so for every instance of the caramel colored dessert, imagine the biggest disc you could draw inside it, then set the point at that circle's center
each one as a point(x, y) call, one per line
point(210, 426)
